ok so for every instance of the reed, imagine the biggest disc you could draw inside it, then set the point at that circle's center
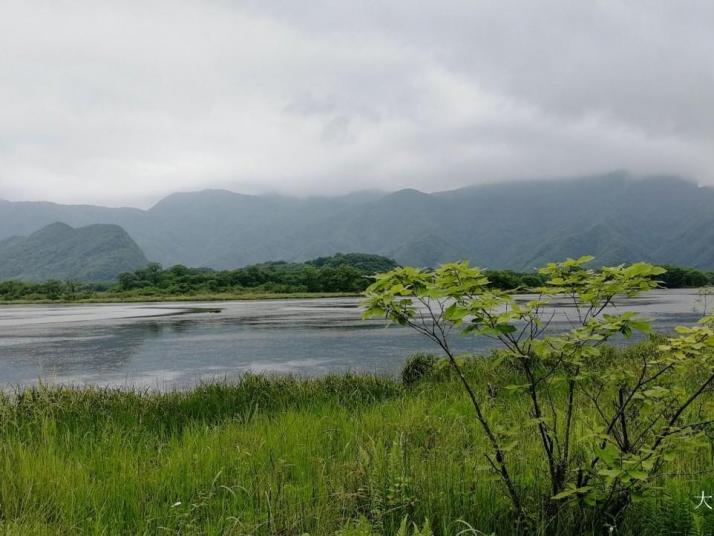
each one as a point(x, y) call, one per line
point(354, 455)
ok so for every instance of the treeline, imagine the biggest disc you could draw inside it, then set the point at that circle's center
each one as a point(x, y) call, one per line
point(53, 290)
point(678, 277)
point(339, 273)
point(347, 273)
point(674, 277)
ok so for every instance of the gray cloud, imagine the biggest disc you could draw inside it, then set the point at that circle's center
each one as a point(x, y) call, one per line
point(122, 102)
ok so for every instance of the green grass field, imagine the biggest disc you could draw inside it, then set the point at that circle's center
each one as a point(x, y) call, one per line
point(351, 455)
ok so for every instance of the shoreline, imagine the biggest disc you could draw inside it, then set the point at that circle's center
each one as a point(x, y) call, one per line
point(257, 296)
point(217, 298)
point(204, 457)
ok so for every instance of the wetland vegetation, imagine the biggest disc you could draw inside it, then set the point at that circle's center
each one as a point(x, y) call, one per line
point(351, 455)
point(551, 433)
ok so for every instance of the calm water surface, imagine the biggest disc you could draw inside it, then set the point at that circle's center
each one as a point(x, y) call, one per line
point(167, 345)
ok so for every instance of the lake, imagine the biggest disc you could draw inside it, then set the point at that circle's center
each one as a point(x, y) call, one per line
point(169, 345)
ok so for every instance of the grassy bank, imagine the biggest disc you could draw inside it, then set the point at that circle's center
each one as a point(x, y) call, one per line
point(283, 456)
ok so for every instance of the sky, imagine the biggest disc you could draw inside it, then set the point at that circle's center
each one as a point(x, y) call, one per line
point(123, 102)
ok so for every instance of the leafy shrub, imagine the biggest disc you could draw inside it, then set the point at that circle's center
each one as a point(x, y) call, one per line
point(647, 413)
point(418, 366)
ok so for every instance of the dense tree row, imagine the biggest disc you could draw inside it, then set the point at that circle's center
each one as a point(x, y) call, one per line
point(678, 277)
point(674, 277)
point(49, 290)
point(338, 273)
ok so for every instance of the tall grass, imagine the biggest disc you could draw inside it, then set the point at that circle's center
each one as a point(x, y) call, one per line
point(355, 454)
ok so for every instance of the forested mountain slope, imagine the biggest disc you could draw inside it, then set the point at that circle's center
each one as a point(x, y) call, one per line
point(94, 253)
point(518, 225)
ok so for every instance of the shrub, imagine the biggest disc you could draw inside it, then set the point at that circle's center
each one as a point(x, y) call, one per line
point(418, 366)
point(647, 413)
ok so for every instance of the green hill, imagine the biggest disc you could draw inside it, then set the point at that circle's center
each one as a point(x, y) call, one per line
point(93, 253)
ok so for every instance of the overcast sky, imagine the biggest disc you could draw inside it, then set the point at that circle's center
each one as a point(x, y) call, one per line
point(122, 102)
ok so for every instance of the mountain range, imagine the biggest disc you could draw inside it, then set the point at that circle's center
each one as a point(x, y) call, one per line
point(97, 252)
point(617, 217)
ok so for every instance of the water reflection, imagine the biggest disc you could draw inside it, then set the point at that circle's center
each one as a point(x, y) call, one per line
point(131, 345)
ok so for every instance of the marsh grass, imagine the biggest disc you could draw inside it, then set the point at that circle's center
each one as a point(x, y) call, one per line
point(277, 455)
